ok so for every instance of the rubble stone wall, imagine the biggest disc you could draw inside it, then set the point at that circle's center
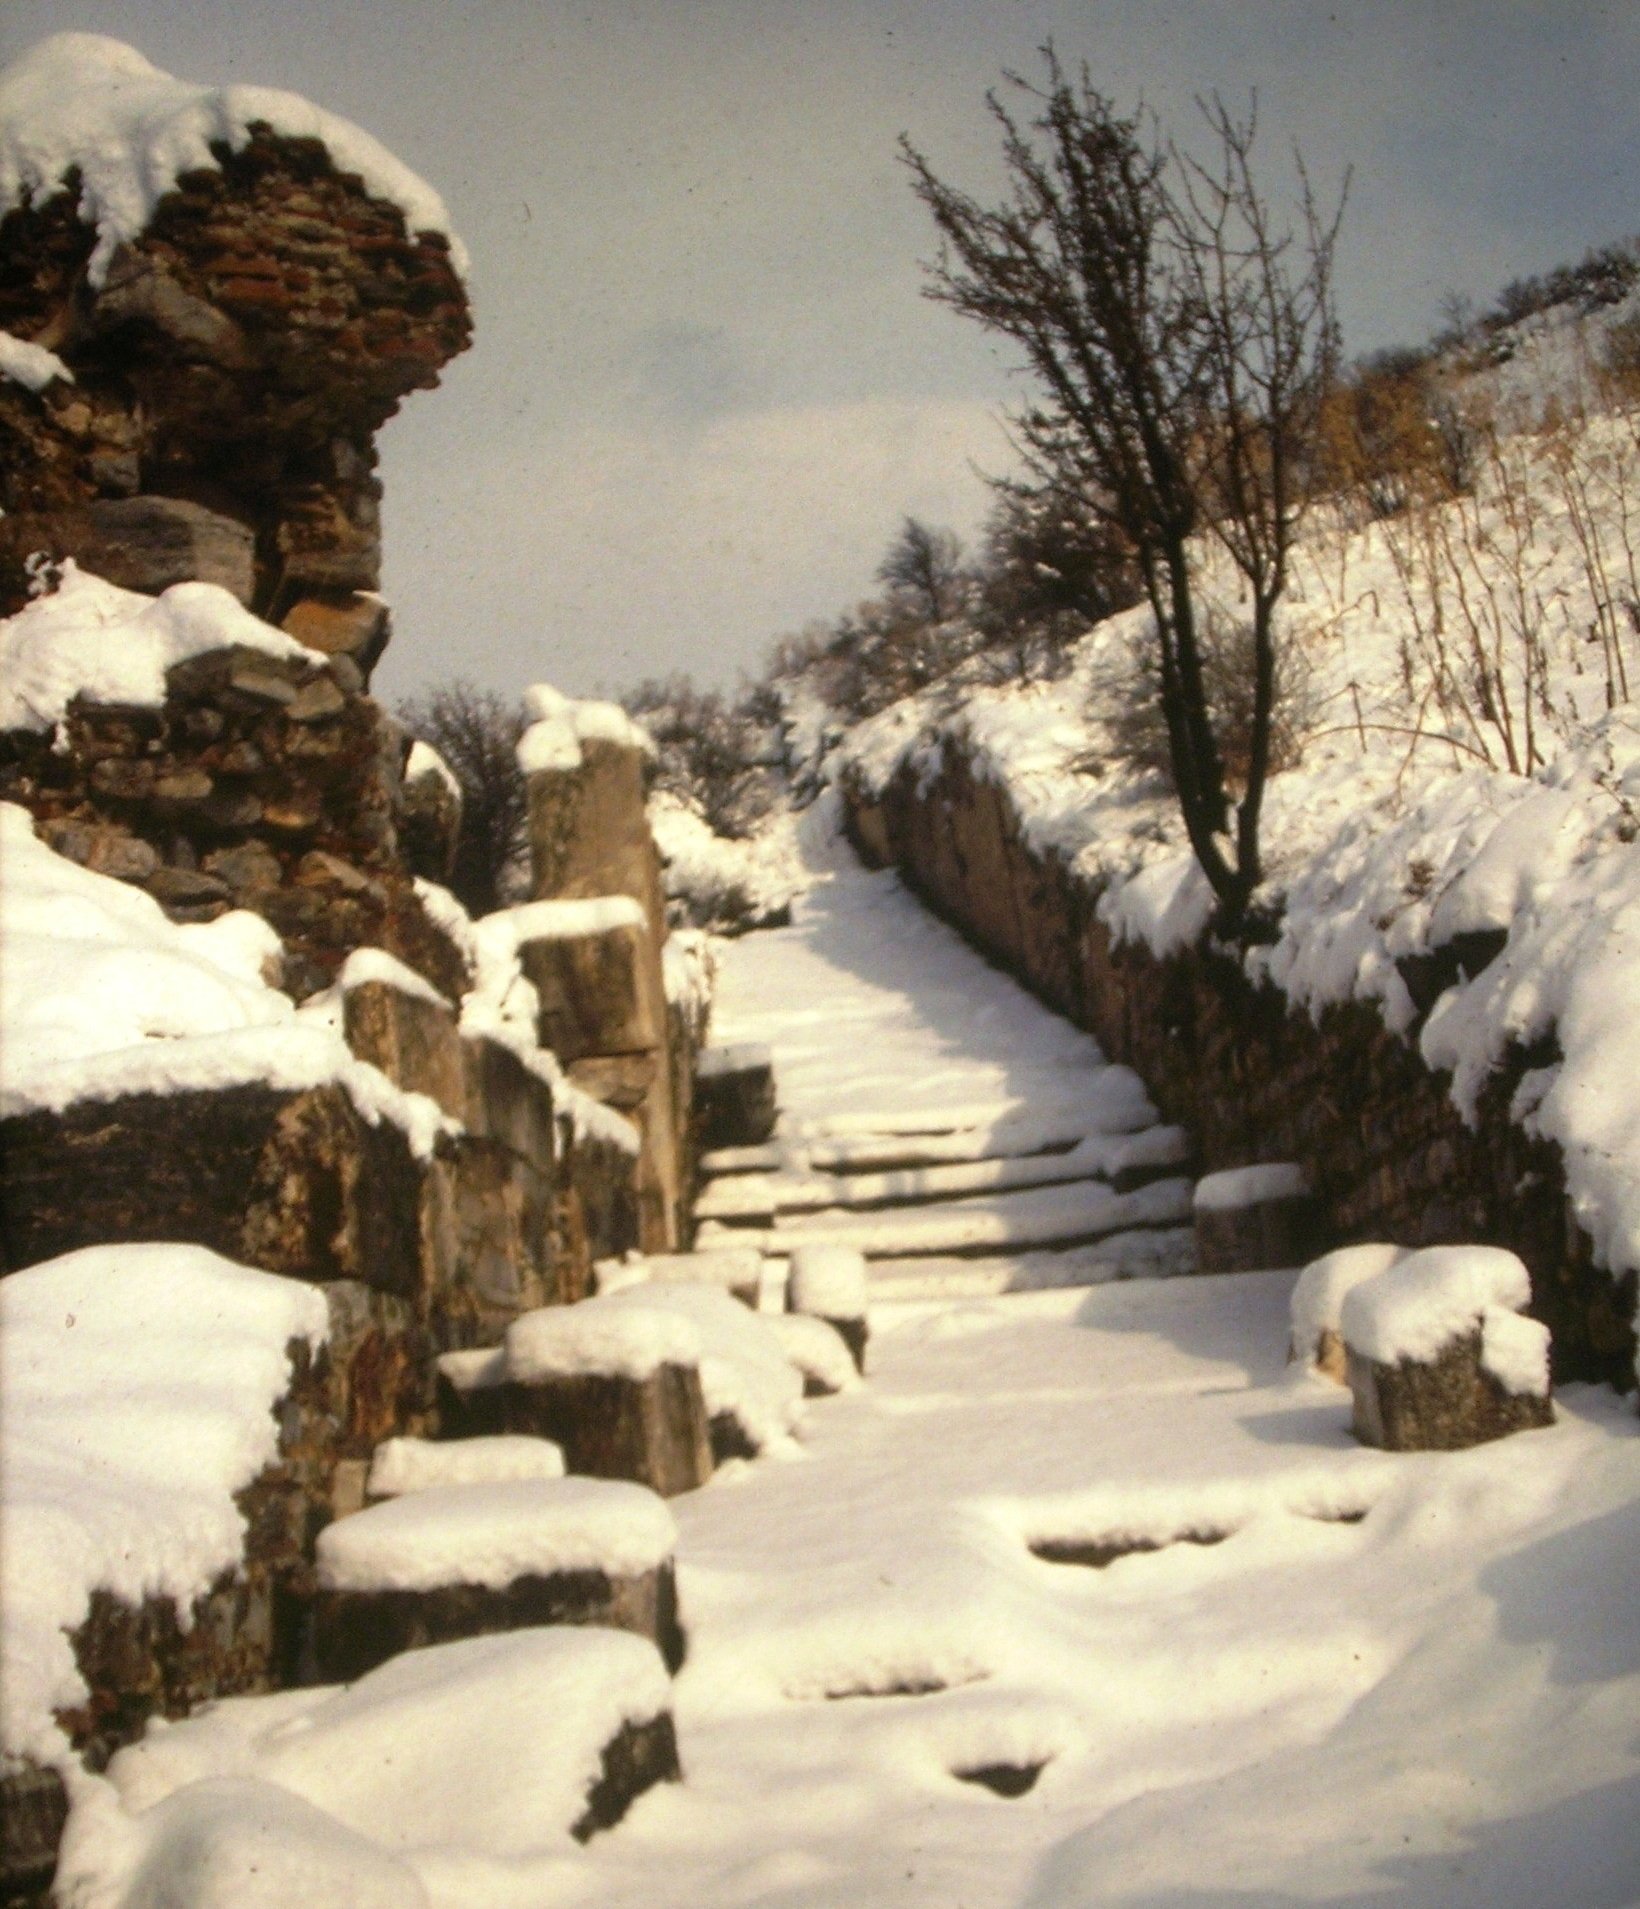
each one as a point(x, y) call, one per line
point(1250, 1077)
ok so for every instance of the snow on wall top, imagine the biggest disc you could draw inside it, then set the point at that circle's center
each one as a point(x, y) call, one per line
point(90, 638)
point(102, 995)
point(140, 1383)
point(80, 100)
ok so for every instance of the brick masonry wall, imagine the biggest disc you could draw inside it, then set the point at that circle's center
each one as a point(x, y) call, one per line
point(1251, 1078)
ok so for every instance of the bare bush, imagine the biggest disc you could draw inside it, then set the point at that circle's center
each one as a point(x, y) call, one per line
point(477, 733)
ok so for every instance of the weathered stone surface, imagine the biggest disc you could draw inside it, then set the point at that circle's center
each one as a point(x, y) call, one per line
point(354, 1631)
point(1385, 1151)
point(149, 543)
point(487, 1245)
point(1444, 1404)
point(638, 1757)
point(589, 835)
point(342, 623)
point(430, 825)
point(598, 993)
point(653, 1431)
point(297, 1183)
point(240, 352)
point(33, 1810)
point(735, 1103)
point(412, 1039)
point(596, 1210)
point(1262, 1236)
point(506, 1100)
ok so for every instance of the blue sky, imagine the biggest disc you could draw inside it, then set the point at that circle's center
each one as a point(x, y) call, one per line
point(704, 388)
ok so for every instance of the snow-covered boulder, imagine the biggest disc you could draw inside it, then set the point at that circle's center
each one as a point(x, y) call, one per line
point(1440, 1356)
point(1318, 1303)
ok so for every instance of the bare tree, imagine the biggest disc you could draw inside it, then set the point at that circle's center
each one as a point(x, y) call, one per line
point(923, 568)
point(477, 733)
point(1183, 343)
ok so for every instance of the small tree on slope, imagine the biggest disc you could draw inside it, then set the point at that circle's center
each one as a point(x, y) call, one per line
point(1184, 345)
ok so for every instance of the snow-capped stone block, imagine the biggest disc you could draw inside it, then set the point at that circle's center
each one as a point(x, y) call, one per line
point(584, 768)
point(595, 976)
point(405, 1464)
point(619, 1388)
point(1318, 1302)
point(494, 1747)
point(1254, 1219)
point(400, 1023)
point(1439, 1354)
point(829, 1283)
point(735, 1104)
point(466, 1560)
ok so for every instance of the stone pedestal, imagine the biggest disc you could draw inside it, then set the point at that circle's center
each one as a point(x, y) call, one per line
point(652, 1430)
point(1443, 1404)
point(1255, 1219)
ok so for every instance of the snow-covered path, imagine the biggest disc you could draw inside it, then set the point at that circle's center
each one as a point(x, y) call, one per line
point(1388, 1680)
point(930, 1106)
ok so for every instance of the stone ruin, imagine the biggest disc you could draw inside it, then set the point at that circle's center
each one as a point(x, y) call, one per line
point(196, 406)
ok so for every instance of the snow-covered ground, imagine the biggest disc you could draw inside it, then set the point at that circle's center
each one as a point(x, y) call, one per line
point(1288, 1669)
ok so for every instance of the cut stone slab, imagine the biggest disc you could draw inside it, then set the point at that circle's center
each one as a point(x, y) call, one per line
point(653, 1431)
point(507, 1100)
point(1255, 1219)
point(618, 1387)
point(735, 1096)
point(396, 1021)
point(1443, 1404)
point(296, 1182)
point(149, 543)
point(468, 1560)
point(982, 1226)
point(1439, 1355)
point(596, 984)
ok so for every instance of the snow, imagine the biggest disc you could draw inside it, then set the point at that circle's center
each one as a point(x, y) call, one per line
point(736, 1270)
point(1248, 1186)
point(744, 1370)
point(102, 995)
point(570, 920)
point(604, 1335)
point(90, 638)
point(493, 1533)
point(81, 101)
point(1318, 1298)
point(720, 878)
point(816, 1348)
point(1414, 1309)
point(234, 1843)
point(376, 964)
point(402, 1465)
point(468, 1763)
point(1396, 1676)
point(1515, 1350)
point(558, 725)
point(689, 974)
point(471, 1369)
point(140, 1384)
point(424, 760)
point(828, 1281)
point(31, 366)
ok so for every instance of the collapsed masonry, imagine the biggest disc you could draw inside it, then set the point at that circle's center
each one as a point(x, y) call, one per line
point(240, 1015)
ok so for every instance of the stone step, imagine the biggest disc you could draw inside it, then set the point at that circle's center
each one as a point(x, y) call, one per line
point(1122, 1161)
point(1144, 1253)
point(459, 1561)
point(1074, 1214)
